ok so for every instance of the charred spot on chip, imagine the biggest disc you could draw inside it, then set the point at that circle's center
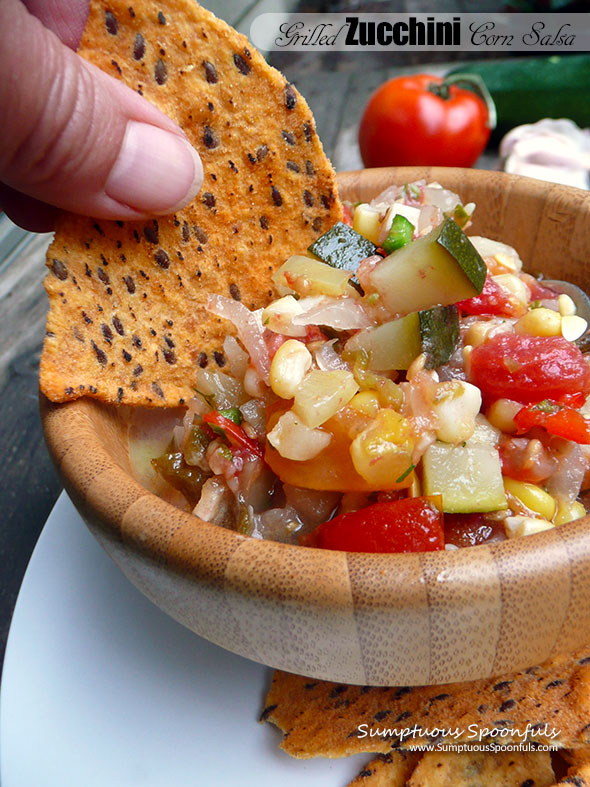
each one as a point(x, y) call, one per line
point(208, 199)
point(264, 222)
point(293, 166)
point(185, 232)
point(288, 137)
point(169, 355)
point(111, 24)
point(119, 394)
point(308, 131)
point(276, 196)
point(160, 72)
point(138, 370)
point(136, 341)
point(262, 152)
point(202, 360)
point(506, 706)
point(106, 332)
point(116, 66)
point(156, 388)
point(127, 356)
point(234, 291)
point(103, 276)
point(200, 234)
point(267, 711)
point(151, 233)
point(59, 269)
point(553, 684)
point(308, 198)
point(316, 224)
point(210, 72)
point(232, 166)
point(241, 65)
point(439, 697)
point(502, 685)
point(101, 356)
point(210, 138)
point(219, 359)
point(251, 158)
point(118, 326)
point(162, 259)
point(77, 335)
point(405, 715)
point(138, 47)
point(290, 96)
point(161, 18)
point(130, 284)
point(381, 715)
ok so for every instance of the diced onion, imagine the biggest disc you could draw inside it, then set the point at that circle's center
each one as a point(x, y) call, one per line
point(342, 314)
point(328, 359)
point(249, 327)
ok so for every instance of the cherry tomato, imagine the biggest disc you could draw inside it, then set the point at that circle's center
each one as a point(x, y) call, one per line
point(529, 368)
point(493, 299)
point(557, 420)
point(414, 524)
point(422, 119)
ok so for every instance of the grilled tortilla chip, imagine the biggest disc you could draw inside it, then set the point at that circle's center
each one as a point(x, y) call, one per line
point(127, 319)
point(492, 769)
point(322, 719)
point(387, 770)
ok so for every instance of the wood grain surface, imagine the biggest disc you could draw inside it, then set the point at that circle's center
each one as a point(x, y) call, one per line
point(378, 619)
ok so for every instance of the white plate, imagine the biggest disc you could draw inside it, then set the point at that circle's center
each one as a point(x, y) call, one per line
point(102, 688)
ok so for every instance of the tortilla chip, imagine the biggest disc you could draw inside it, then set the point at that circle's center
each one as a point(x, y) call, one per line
point(578, 776)
point(127, 319)
point(387, 770)
point(492, 769)
point(322, 719)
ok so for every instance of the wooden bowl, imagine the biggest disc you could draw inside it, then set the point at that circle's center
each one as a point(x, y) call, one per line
point(402, 619)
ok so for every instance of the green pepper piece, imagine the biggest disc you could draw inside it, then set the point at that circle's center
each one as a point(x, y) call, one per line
point(400, 233)
point(186, 479)
point(196, 445)
point(460, 215)
point(233, 414)
point(342, 247)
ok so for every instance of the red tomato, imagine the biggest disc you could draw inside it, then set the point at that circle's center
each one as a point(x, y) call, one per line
point(529, 368)
point(421, 119)
point(557, 420)
point(493, 299)
point(414, 524)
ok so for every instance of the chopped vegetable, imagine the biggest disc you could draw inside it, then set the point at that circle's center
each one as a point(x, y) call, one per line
point(439, 331)
point(556, 419)
point(342, 247)
point(400, 233)
point(410, 525)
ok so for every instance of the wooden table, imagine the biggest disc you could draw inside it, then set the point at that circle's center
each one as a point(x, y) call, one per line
point(337, 87)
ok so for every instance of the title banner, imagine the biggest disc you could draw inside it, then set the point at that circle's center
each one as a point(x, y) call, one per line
point(351, 32)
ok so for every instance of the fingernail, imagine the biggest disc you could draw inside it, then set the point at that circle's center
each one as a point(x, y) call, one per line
point(156, 171)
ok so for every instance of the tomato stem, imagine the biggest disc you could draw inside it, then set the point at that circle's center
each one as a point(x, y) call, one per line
point(471, 82)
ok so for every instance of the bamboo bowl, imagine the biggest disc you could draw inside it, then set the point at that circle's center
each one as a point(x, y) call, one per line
point(356, 618)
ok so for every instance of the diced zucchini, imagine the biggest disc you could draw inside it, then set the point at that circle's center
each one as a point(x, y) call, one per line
point(400, 233)
point(366, 221)
point(306, 276)
point(393, 345)
point(439, 328)
point(438, 269)
point(468, 477)
point(342, 247)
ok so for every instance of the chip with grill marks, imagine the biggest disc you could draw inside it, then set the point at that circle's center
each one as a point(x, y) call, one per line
point(127, 320)
point(547, 705)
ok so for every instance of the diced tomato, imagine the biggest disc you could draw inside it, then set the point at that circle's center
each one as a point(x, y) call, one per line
point(411, 525)
point(529, 368)
point(492, 300)
point(538, 292)
point(273, 342)
point(557, 420)
point(234, 433)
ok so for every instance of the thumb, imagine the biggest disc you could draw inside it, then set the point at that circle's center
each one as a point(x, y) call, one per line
point(76, 138)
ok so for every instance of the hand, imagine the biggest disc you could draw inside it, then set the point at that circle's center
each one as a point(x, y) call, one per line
point(75, 138)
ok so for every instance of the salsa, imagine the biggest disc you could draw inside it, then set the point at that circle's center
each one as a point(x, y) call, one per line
point(411, 389)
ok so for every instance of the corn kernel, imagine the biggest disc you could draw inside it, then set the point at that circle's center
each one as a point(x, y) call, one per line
point(289, 366)
point(506, 261)
point(366, 222)
point(501, 415)
point(572, 327)
point(566, 305)
point(477, 332)
point(533, 497)
point(568, 512)
point(365, 402)
point(539, 322)
point(278, 317)
point(294, 440)
point(517, 526)
point(382, 453)
point(515, 286)
point(456, 403)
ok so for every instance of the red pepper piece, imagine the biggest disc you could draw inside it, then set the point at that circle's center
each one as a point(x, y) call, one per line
point(557, 420)
point(414, 524)
point(234, 433)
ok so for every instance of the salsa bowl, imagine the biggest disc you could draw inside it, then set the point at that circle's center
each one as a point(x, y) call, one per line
point(379, 619)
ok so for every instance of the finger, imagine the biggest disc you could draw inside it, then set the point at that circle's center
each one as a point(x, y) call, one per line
point(66, 18)
point(76, 138)
point(28, 213)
